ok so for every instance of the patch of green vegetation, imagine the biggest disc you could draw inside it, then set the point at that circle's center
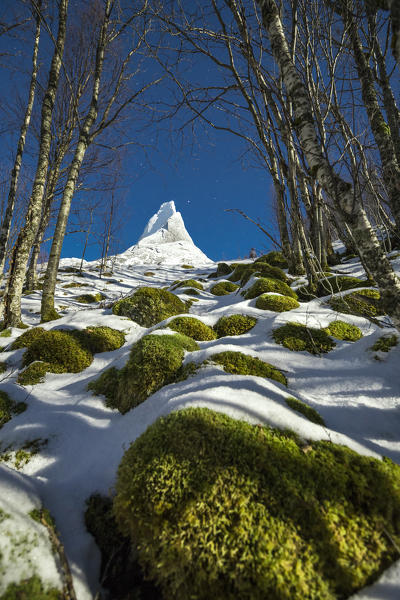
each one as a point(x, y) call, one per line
point(6, 332)
point(71, 270)
point(61, 349)
point(31, 589)
point(100, 339)
point(148, 274)
point(25, 339)
point(273, 258)
point(363, 303)
point(3, 367)
point(90, 298)
point(50, 315)
point(148, 306)
point(21, 457)
point(187, 266)
point(310, 413)
point(385, 343)
point(276, 303)
point(295, 336)
point(222, 288)
point(74, 284)
point(189, 283)
point(344, 331)
point(238, 363)
point(263, 270)
point(238, 271)
point(154, 361)
point(41, 515)
point(193, 328)
point(191, 291)
point(266, 284)
point(243, 511)
point(36, 372)
point(234, 325)
point(9, 408)
point(223, 269)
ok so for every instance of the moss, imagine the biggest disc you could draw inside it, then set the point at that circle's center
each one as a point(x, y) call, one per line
point(193, 328)
point(189, 283)
point(74, 284)
point(9, 408)
point(71, 270)
point(243, 511)
point(3, 367)
point(364, 303)
point(50, 315)
point(90, 298)
point(6, 332)
point(191, 292)
point(237, 274)
point(238, 363)
point(266, 284)
point(295, 336)
point(234, 325)
point(148, 306)
point(224, 269)
point(344, 331)
point(276, 303)
point(222, 288)
point(187, 266)
point(385, 343)
point(100, 339)
point(31, 589)
point(59, 349)
point(35, 373)
point(263, 270)
point(42, 514)
point(310, 413)
point(273, 258)
point(24, 340)
point(22, 456)
point(154, 361)
point(329, 285)
point(148, 274)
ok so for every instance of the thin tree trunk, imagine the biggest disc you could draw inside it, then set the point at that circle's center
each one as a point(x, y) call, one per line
point(346, 201)
point(47, 309)
point(88, 232)
point(12, 194)
point(20, 255)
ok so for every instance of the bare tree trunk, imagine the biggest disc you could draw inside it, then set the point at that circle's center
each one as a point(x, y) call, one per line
point(20, 255)
point(12, 194)
point(346, 200)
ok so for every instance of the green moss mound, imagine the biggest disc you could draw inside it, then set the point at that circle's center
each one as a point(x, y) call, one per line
point(222, 288)
point(89, 298)
point(295, 336)
point(61, 349)
point(148, 306)
point(266, 284)
point(187, 266)
point(238, 271)
point(6, 332)
point(100, 339)
point(50, 315)
point(274, 258)
point(330, 285)
point(24, 340)
point(238, 363)
point(385, 343)
point(276, 303)
point(223, 509)
point(193, 328)
point(263, 270)
point(9, 408)
point(154, 361)
point(31, 589)
point(234, 325)
point(189, 283)
point(73, 284)
point(310, 413)
point(344, 331)
point(364, 303)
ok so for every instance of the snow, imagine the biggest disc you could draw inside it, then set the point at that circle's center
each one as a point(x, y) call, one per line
point(357, 395)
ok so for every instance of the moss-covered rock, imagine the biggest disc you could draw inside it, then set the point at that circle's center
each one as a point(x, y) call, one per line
point(276, 303)
point(238, 271)
point(266, 284)
point(273, 258)
point(234, 325)
point(344, 331)
point(193, 328)
point(148, 306)
point(188, 283)
point(385, 343)
point(238, 363)
point(50, 315)
point(363, 303)
point(9, 408)
point(59, 349)
point(187, 266)
point(90, 298)
point(36, 372)
point(222, 288)
point(223, 269)
point(330, 285)
point(310, 413)
point(223, 509)
point(295, 336)
point(100, 339)
point(154, 361)
point(148, 274)
point(31, 589)
point(263, 270)
point(24, 340)
point(74, 284)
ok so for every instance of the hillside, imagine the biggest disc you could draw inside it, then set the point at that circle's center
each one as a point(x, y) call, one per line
point(73, 443)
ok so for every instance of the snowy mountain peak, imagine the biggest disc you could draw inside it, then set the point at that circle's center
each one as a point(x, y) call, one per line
point(165, 226)
point(159, 219)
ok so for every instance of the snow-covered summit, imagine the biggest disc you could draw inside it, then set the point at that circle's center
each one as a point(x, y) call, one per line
point(164, 240)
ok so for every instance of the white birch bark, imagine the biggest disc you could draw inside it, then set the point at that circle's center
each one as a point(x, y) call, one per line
point(342, 192)
point(22, 248)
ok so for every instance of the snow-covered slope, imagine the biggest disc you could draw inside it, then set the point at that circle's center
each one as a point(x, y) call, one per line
point(164, 241)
